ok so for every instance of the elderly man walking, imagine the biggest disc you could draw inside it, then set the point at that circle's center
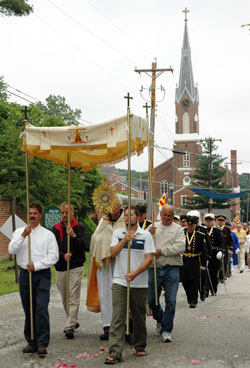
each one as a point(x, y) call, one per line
point(170, 242)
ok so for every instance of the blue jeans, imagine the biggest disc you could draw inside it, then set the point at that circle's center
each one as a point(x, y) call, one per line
point(168, 277)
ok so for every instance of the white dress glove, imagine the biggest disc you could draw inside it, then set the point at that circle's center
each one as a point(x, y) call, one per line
point(237, 250)
point(219, 255)
point(203, 268)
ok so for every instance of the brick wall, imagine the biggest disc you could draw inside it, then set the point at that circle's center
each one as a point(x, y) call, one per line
point(5, 212)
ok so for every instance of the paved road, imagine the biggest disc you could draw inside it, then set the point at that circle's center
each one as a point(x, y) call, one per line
point(215, 334)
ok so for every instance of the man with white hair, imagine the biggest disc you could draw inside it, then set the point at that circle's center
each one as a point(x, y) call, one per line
point(170, 244)
point(218, 248)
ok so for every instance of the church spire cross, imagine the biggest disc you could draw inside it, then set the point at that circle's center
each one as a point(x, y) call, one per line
point(186, 11)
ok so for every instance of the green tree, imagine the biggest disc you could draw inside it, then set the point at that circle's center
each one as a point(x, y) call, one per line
point(47, 180)
point(15, 7)
point(56, 106)
point(3, 87)
point(209, 175)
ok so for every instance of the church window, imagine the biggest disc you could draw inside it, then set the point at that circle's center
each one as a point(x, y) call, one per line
point(183, 200)
point(186, 125)
point(186, 159)
point(164, 187)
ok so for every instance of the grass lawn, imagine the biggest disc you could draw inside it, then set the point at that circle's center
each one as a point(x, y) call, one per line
point(7, 275)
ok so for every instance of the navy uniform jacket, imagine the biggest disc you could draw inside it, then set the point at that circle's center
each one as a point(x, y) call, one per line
point(217, 240)
point(195, 255)
point(227, 238)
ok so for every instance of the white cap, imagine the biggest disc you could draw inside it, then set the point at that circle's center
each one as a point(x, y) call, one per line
point(194, 213)
point(177, 217)
point(209, 216)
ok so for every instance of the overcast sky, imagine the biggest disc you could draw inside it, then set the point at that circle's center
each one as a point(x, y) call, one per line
point(86, 51)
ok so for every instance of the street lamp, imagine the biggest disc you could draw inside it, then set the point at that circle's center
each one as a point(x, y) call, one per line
point(210, 203)
point(171, 187)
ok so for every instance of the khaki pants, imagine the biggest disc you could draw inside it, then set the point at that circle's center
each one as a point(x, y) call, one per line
point(241, 257)
point(248, 260)
point(75, 277)
point(138, 311)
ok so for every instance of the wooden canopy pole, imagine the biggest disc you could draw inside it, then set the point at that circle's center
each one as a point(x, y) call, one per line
point(28, 222)
point(151, 209)
point(129, 204)
point(68, 236)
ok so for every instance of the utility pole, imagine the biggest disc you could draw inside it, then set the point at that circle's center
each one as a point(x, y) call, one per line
point(153, 73)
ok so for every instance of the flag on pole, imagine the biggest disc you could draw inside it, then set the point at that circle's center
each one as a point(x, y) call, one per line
point(163, 200)
point(236, 219)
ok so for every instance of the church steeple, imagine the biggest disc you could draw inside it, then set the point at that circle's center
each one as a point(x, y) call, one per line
point(186, 79)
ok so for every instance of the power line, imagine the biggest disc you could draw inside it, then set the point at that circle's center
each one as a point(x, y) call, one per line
point(119, 29)
point(92, 33)
point(82, 53)
point(25, 99)
point(23, 93)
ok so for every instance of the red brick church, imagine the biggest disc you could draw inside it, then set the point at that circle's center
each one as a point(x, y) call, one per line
point(174, 175)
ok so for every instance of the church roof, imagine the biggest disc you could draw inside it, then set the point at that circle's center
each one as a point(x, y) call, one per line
point(186, 79)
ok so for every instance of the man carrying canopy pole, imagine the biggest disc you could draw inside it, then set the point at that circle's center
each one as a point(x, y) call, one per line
point(37, 262)
point(141, 243)
point(70, 236)
point(142, 249)
point(169, 244)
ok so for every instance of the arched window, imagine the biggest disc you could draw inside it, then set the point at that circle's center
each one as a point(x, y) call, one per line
point(164, 187)
point(186, 159)
point(186, 125)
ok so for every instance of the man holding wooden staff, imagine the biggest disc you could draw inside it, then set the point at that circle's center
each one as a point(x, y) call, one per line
point(76, 257)
point(170, 244)
point(44, 254)
point(142, 249)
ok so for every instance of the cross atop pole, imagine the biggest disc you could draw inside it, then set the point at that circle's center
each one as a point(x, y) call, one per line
point(25, 111)
point(146, 106)
point(185, 11)
point(128, 98)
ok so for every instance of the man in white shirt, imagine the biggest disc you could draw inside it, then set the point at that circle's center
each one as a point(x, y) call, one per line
point(142, 249)
point(44, 254)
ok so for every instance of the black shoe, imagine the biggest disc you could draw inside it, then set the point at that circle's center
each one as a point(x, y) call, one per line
point(241, 271)
point(105, 335)
point(30, 349)
point(221, 281)
point(41, 350)
point(192, 305)
point(202, 297)
point(69, 333)
point(77, 325)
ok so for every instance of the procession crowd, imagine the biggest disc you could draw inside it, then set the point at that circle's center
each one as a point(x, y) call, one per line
point(175, 249)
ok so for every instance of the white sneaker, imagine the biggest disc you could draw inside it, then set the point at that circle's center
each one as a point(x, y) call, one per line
point(166, 337)
point(158, 328)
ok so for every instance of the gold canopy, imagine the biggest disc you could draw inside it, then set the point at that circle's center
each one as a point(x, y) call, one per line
point(89, 146)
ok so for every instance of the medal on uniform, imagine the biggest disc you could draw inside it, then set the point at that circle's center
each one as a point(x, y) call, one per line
point(189, 241)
